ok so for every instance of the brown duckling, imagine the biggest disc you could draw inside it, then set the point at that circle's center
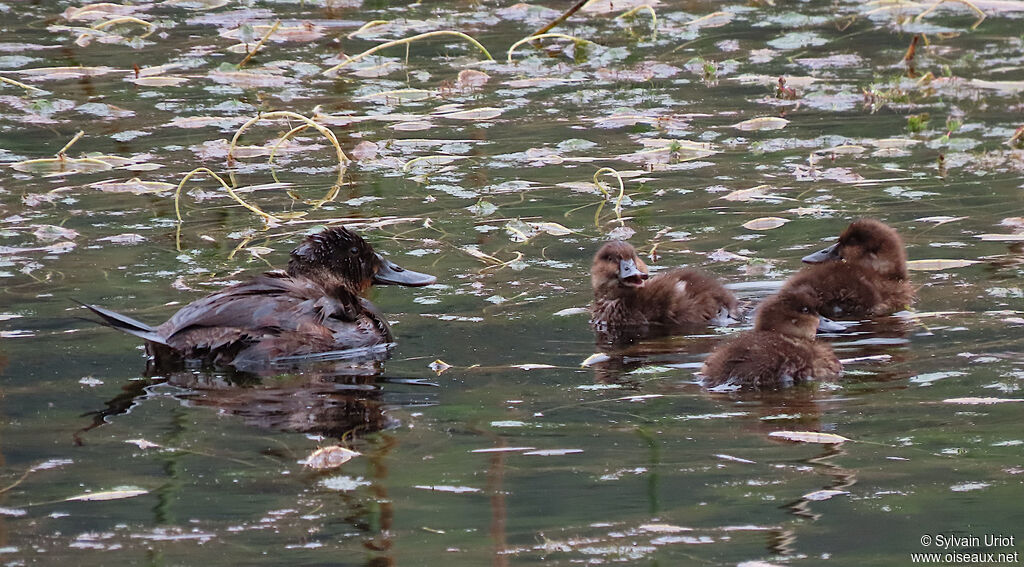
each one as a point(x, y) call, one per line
point(313, 307)
point(625, 296)
point(864, 274)
point(781, 349)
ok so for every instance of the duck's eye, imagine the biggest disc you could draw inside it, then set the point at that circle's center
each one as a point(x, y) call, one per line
point(805, 309)
point(353, 251)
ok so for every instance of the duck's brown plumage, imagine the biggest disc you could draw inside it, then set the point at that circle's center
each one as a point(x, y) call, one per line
point(863, 275)
point(314, 306)
point(780, 351)
point(625, 296)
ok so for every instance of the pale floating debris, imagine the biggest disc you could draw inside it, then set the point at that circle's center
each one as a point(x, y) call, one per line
point(819, 495)
point(532, 366)
point(51, 464)
point(938, 264)
point(663, 528)
point(13, 512)
point(757, 564)
point(765, 223)
point(133, 185)
point(1006, 86)
point(49, 232)
point(364, 150)
point(848, 149)
point(641, 397)
point(595, 358)
point(809, 437)
point(893, 143)
point(723, 255)
point(939, 220)
point(510, 423)
point(621, 233)
point(485, 113)
point(553, 452)
point(552, 228)
point(610, 6)
point(126, 239)
point(259, 251)
point(90, 381)
point(412, 126)
point(969, 486)
point(142, 443)
point(981, 401)
point(471, 78)
point(503, 450)
point(1001, 237)
point(761, 192)
point(159, 81)
point(725, 457)
point(196, 4)
point(929, 377)
point(344, 483)
point(446, 488)
point(119, 494)
point(761, 123)
point(540, 82)
point(60, 73)
point(439, 366)
point(329, 457)
point(571, 311)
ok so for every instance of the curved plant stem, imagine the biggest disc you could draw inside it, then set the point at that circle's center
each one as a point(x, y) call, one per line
point(126, 20)
point(365, 27)
point(19, 84)
point(607, 195)
point(565, 16)
point(408, 40)
point(543, 36)
point(654, 18)
point(327, 133)
point(267, 217)
point(258, 45)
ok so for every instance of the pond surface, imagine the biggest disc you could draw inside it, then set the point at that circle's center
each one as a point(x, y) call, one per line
point(483, 439)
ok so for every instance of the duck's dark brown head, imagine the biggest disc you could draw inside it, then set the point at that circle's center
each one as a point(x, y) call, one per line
point(339, 258)
point(870, 244)
point(617, 270)
point(793, 312)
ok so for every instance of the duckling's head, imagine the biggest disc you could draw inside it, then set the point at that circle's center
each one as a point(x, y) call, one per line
point(617, 270)
point(870, 244)
point(339, 258)
point(793, 312)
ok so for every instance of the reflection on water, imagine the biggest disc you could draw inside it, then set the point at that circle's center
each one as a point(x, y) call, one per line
point(483, 172)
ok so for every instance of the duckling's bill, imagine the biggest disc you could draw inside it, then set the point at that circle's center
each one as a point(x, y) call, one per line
point(391, 273)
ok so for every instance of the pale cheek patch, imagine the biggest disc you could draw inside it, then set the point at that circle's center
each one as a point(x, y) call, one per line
point(680, 287)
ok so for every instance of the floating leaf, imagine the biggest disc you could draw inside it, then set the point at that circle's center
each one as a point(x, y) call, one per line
point(118, 494)
point(595, 358)
point(439, 366)
point(809, 437)
point(503, 450)
point(938, 264)
point(819, 495)
point(532, 366)
point(765, 223)
point(329, 457)
point(762, 123)
point(571, 311)
point(552, 228)
point(142, 443)
point(939, 220)
point(485, 113)
point(981, 401)
point(553, 452)
point(1001, 237)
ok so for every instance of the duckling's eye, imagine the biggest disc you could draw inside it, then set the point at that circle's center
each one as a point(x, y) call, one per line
point(805, 309)
point(353, 251)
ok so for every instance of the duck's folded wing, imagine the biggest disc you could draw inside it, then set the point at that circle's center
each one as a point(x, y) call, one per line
point(268, 304)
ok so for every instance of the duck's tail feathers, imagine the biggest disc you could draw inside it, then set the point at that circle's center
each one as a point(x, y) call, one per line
point(125, 323)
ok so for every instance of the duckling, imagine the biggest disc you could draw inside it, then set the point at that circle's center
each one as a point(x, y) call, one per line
point(864, 274)
point(314, 306)
point(625, 295)
point(781, 349)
